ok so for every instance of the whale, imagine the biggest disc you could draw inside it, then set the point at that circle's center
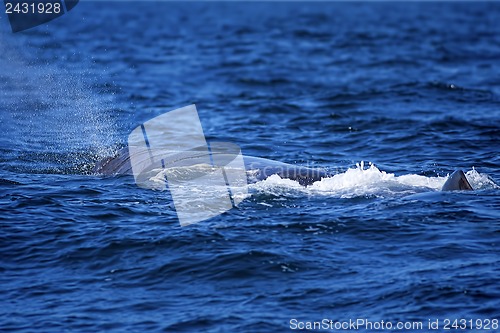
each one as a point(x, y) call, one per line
point(258, 169)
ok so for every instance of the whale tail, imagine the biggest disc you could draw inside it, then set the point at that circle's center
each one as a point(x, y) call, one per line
point(457, 182)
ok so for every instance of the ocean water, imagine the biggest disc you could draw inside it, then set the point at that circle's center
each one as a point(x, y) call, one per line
point(391, 97)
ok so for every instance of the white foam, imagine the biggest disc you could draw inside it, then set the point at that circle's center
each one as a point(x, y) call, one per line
point(480, 181)
point(371, 181)
point(354, 182)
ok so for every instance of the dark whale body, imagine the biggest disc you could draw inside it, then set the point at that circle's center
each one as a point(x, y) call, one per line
point(257, 168)
point(261, 168)
point(457, 182)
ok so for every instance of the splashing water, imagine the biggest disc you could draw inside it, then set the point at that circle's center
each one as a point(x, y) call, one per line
point(361, 181)
point(354, 182)
point(480, 181)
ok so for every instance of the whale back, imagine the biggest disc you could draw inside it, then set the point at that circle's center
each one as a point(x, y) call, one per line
point(115, 165)
point(257, 169)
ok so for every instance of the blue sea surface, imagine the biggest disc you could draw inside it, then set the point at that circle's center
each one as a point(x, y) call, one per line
point(412, 90)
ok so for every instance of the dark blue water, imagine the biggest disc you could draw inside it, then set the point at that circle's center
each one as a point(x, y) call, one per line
point(412, 88)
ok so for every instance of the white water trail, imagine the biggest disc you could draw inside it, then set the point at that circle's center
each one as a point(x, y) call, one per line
point(370, 182)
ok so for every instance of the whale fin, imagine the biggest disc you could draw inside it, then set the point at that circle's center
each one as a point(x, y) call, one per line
point(457, 182)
